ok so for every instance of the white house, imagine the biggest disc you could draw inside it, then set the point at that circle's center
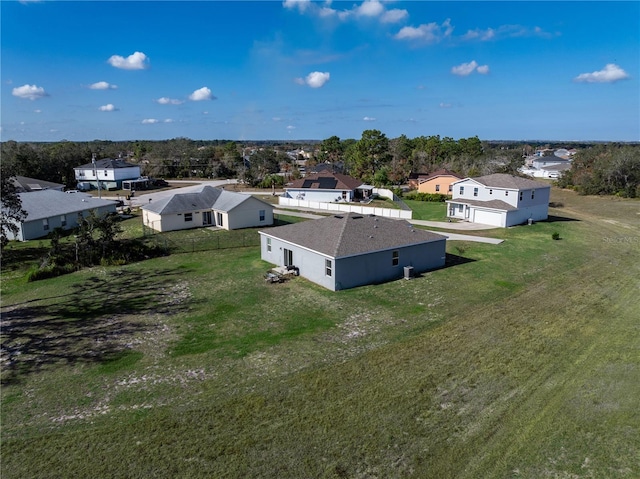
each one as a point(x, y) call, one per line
point(499, 200)
point(50, 209)
point(207, 206)
point(344, 251)
point(328, 187)
point(109, 172)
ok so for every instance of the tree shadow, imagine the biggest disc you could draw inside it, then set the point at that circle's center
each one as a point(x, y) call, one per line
point(556, 219)
point(98, 320)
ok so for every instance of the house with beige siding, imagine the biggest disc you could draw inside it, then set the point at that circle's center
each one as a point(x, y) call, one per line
point(438, 182)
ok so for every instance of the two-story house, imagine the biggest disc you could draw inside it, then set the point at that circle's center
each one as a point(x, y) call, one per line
point(109, 172)
point(499, 200)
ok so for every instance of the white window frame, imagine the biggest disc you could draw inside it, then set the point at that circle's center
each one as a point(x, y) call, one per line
point(328, 267)
point(188, 217)
point(395, 257)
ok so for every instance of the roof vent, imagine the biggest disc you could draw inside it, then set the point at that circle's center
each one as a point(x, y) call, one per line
point(370, 237)
point(338, 216)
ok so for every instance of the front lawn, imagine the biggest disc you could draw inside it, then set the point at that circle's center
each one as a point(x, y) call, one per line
point(427, 210)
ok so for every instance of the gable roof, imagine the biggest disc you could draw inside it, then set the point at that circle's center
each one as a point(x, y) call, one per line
point(501, 180)
point(24, 184)
point(441, 172)
point(326, 181)
point(206, 198)
point(49, 203)
point(352, 234)
point(106, 164)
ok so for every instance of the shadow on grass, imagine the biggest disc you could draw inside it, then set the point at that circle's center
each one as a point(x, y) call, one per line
point(92, 324)
point(455, 260)
point(557, 219)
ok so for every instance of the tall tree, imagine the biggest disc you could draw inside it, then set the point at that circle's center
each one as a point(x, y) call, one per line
point(371, 154)
point(331, 150)
point(11, 213)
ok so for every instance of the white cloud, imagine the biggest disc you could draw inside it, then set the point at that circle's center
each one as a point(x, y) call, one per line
point(466, 69)
point(300, 5)
point(37, 111)
point(135, 61)
point(427, 32)
point(201, 94)
point(368, 118)
point(29, 92)
point(149, 121)
point(367, 9)
point(291, 127)
point(168, 120)
point(107, 107)
point(169, 101)
point(314, 79)
point(609, 74)
point(482, 35)
point(102, 85)
point(394, 16)
point(445, 105)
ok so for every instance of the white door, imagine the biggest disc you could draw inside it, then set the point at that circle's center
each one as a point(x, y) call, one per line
point(488, 218)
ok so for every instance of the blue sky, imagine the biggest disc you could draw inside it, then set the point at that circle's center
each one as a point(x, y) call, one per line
point(308, 70)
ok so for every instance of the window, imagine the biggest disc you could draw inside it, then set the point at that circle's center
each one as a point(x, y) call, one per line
point(460, 208)
point(45, 224)
point(327, 267)
point(520, 196)
point(490, 192)
point(262, 215)
point(450, 187)
point(506, 193)
point(188, 216)
point(219, 219)
point(63, 220)
point(395, 261)
point(462, 190)
point(475, 192)
point(437, 187)
point(533, 193)
point(105, 173)
point(269, 245)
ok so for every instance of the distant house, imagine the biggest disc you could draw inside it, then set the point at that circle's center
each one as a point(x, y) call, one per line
point(328, 188)
point(438, 182)
point(208, 206)
point(24, 184)
point(499, 200)
point(109, 172)
point(546, 167)
point(344, 251)
point(50, 209)
point(415, 178)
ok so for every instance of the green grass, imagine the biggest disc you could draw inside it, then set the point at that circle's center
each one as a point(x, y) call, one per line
point(427, 210)
point(518, 360)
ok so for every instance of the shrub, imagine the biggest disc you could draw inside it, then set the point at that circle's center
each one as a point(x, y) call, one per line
point(555, 235)
point(431, 197)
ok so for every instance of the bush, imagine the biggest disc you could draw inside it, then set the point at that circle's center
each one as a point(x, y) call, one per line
point(49, 271)
point(431, 197)
point(555, 235)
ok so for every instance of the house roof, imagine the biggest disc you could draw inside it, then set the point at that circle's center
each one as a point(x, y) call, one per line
point(49, 203)
point(25, 184)
point(207, 197)
point(106, 164)
point(352, 234)
point(491, 204)
point(437, 173)
point(326, 181)
point(557, 167)
point(501, 180)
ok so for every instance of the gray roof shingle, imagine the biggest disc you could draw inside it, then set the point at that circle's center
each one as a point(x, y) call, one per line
point(352, 234)
point(501, 180)
point(50, 203)
point(207, 197)
point(106, 163)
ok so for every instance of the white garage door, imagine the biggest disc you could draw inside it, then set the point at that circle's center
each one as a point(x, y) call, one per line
point(488, 218)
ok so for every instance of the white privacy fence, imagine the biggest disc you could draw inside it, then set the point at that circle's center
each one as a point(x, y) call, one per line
point(349, 207)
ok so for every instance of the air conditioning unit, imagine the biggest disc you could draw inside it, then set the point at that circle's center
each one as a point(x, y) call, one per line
point(408, 272)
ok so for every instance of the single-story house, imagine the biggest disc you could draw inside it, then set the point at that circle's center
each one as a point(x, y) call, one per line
point(415, 178)
point(348, 250)
point(207, 206)
point(109, 172)
point(499, 200)
point(328, 187)
point(50, 209)
point(438, 182)
point(24, 184)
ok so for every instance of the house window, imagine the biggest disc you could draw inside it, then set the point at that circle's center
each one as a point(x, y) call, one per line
point(105, 173)
point(327, 267)
point(460, 208)
point(437, 187)
point(533, 193)
point(188, 216)
point(45, 224)
point(262, 215)
point(450, 188)
point(506, 193)
point(520, 196)
point(475, 192)
point(63, 220)
point(219, 219)
point(490, 192)
point(395, 258)
point(269, 245)
point(462, 190)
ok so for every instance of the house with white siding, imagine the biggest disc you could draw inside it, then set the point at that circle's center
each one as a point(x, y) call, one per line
point(328, 187)
point(348, 250)
point(109, 172)
point(207, 206)
point(499, 200)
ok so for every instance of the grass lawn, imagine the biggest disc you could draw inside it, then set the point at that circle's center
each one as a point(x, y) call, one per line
point(518, 360)
point(427, 210)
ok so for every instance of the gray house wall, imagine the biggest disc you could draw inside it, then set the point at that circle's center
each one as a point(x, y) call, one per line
point(349, 272)
point(35, 228)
